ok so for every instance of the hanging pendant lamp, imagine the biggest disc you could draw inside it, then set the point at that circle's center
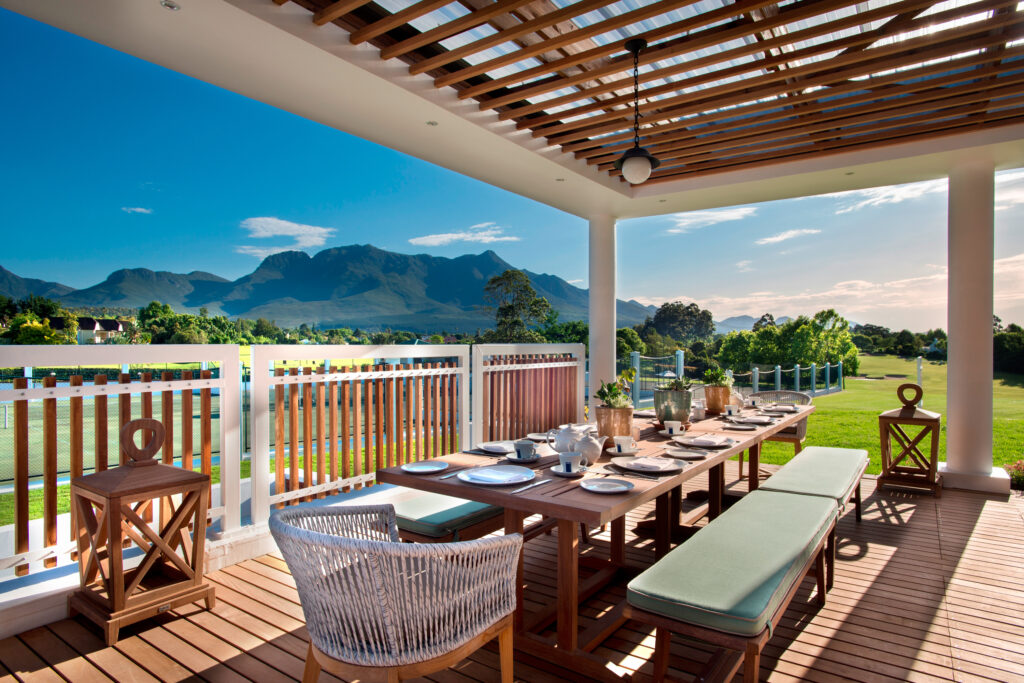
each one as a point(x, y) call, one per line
point(637, 163)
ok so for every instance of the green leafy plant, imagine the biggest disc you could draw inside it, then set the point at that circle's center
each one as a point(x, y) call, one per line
point(1016, 472)
point(716, 377)
point(677, 384)
point(616, 394)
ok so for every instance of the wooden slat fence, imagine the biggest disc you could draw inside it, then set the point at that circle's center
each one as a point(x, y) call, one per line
point(351, 420)
point(52, 425)
point(522, 389)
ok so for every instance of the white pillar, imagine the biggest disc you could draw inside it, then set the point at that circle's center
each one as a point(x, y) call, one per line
point(602, 301)
point(969, 370)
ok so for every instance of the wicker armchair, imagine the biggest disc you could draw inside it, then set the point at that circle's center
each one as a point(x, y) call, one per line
point(794, 434)
point(379, 609)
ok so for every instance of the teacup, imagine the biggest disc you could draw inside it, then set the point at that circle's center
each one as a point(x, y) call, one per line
point(525, 449)
point(732, 410)
point(674, 427)
point(624, 444)
point(752, 402)
point(570, 463)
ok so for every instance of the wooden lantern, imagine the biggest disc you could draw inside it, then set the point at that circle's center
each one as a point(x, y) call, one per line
point(113, 506)
point(911, 466)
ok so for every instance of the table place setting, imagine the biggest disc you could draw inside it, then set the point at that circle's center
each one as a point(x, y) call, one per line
point(425, 467)
point(704, 441)
point(498, 475)
point(681, 453)
point(649, 464)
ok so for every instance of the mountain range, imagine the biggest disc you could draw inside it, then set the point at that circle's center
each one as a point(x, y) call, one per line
point(351, 286)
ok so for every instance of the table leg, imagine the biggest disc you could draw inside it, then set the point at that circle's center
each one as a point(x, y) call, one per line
point(716, 482)
point(618, 544)
point(663, 524)
point(568, 585)
point(675, 506)
point(514, 525)
point(755, 466)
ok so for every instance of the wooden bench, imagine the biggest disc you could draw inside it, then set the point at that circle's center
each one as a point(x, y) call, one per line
point(730, 584)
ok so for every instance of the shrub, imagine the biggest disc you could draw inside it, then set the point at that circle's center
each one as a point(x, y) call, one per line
point(1016, 472)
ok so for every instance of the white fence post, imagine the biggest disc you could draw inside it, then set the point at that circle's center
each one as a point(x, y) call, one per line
point(796, 377)
point(778, 378)
point(634, 362)
point(828, 378)
point(839, 380)
point(755, 379)
point(814, 379)
point(680, 363)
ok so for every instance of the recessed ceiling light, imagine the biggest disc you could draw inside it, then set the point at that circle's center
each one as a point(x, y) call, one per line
point(171, 5)
point(431, 123)
point(559, 180)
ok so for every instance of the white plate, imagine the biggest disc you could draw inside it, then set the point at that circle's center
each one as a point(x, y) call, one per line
point(537, 436)
point(762, 420)
point(741, 427)
point(683, 454)
point(626, 463)
point(664, 433)
point(628, 451)
point(688, 441)
point(606, 485)
point(511, 457)
point(425, 467)
point(499, 475)
point(571, 475)
point(496, 446)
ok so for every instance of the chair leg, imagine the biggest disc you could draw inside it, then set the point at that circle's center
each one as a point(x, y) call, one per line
point(752, 664)
point(584, 533)
point(312, 672)
point(819, 572)
point(505, 653)
point(856, 502)
point(797, 447)
point(662, 647)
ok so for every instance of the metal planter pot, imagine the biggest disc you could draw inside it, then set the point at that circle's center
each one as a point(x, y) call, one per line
point(670, 404)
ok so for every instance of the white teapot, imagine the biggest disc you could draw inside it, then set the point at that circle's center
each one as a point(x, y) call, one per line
point(562, 440)
point(590, 447)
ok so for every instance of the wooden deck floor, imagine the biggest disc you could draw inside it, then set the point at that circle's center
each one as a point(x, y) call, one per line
point(925, 589)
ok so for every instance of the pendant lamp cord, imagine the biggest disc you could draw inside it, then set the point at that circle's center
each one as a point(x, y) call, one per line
point(636, 98)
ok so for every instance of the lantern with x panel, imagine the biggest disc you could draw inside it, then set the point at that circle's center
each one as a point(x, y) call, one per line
point(111, 506)
point(910, 467)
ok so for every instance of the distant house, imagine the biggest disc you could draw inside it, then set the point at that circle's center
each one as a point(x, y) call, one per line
point(93, 330)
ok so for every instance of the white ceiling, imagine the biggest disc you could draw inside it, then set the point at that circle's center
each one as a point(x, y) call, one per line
point(275, 54)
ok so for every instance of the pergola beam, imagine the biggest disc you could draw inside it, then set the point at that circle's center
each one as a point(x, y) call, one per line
point(335, 10)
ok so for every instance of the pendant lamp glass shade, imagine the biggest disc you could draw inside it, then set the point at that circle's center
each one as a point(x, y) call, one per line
point(637, 163)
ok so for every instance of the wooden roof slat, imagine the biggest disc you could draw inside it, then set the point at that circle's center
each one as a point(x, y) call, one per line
point(703, 62)
point(838, 60)
point(988, 120)
point(452, 28)
point(377, 28)
point(550, 44)
point(597, 53)
point(700, 128)
point(335, 10)
point(820, 73)
point(829, 126)
point(505, 35)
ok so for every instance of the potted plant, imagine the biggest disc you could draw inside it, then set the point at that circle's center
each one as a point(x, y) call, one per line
point(717, 390)
point(672, 400)
point(615, 414)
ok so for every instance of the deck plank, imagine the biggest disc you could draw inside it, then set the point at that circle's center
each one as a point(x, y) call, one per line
point(925, 589)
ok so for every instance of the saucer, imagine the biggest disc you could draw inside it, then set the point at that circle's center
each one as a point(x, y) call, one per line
point(600, 485)
point(628, 451)
point(569, 475)
point(425, 466)
point(511, 457)
point(664, 433)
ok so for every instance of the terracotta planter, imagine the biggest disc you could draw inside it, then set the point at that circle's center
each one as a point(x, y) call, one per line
point(716, 398)
point(613, 422)
point(672, 404)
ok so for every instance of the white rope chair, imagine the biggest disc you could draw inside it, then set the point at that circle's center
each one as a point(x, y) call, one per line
point(379, 609)
point(794, 434)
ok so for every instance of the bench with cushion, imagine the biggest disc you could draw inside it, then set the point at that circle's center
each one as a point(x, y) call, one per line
point(730, 584)
point(433, 518)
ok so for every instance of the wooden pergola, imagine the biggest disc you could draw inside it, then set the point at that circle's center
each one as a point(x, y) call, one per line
point(722, 84)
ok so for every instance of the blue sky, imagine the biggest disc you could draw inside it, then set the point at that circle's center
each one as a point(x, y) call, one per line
point(109, 161)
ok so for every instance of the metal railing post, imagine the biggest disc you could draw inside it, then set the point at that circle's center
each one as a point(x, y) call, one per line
point(814, 379)
point(778, 378)
point(920, 364)
point(839, 380)
point(796, 377)
point(634, 361)
point(828, 378)
point(755, 379)
point(680, 363)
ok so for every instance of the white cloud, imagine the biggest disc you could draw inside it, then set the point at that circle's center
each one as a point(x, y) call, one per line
point(889, 302)
point(787, 235)
point(744, 266)
point(303, 236)
point(483, 233)
point(575, 282)
point(135, 209)
point(855, 200)
point(695, 220)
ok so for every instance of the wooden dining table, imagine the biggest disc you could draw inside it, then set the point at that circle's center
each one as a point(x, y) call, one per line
point(568, 505)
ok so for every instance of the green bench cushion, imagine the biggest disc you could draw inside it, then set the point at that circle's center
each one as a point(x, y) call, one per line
point(436, 516)
point(733, 574)
point(820, 471)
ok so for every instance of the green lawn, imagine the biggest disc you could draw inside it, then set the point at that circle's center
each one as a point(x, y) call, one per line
point(850, 418)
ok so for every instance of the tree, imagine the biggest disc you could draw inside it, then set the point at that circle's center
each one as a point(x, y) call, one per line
point(28, 328)
point(517, 308)
point(766, 320)
point(735, 353)
point(997, 324)
point(906, 344)
point(8, 309)
point(628, 341)
point(863, 342)
point(682, 322)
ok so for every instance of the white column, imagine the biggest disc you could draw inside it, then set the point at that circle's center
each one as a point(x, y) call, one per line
point(602, 300)
point(969, 369)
